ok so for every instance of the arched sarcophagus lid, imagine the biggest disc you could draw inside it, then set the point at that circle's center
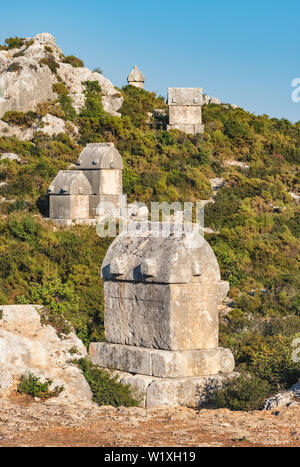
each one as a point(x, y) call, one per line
point(70, 182)
point(100, 156)
point(136, 76)
point(174, 259)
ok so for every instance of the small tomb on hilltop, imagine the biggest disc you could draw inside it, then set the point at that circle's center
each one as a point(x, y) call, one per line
point(185, 110)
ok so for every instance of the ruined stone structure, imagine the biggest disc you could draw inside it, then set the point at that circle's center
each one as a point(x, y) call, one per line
point(69, 196)
point(161, 317)
point(75, 195)
point(136, 78)
point(185, 110)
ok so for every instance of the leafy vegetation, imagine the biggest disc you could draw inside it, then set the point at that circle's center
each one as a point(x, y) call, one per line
point(255, 219)
point(50, 61)
point(14, 117)
point(242, 393)
point(60, 88)
point(74, 61)
point(33, 386)
point(15, 43)
point(105, 388)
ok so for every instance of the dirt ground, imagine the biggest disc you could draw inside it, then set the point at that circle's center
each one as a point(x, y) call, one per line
point(27, 423)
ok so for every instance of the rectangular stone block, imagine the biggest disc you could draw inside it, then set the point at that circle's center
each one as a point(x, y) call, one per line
point(186, 128)
point(121, 357)
point(185, 392)
point(161, 316)
point(185, 115)
point(162, 363)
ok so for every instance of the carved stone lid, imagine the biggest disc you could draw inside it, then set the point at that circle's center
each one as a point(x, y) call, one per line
point(70, 182)
point(150, 257)
point(100, 156)
point(136, 76)
point(185, 96)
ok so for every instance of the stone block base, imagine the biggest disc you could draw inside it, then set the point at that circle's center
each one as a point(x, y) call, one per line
point(162, 363)
point(71, 222)
point(189, 129)
point(185, 392)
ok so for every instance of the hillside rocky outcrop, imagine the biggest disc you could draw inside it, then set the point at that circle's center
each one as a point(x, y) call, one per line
point(28, 346)
point(27, 76)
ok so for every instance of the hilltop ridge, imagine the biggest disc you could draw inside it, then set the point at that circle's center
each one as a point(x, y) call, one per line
point(34, 71)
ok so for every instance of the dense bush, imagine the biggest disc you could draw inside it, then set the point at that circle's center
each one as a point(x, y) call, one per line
point(50, 61)
point(60, 88)
point(242, 393)
point(74, 61)
point(15, 67)
point(15, 117)
point(14, 43)
point(105, 388)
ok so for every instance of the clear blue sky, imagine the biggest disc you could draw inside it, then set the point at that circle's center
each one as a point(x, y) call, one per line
point(243, 51)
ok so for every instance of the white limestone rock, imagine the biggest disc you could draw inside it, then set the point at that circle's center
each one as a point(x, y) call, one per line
point(27, 346)
point(285, 399)
point(10, 156)
point(48, 125)
point(25, 82)
point(205, 99)
point(215, 100)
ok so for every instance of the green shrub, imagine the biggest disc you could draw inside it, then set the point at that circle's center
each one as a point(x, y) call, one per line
point(15, 42)
point(242, 393)
point(59, 301)
point(60, 88)
point(139, 103)
point(15, 67)
point(106, 389)
point(74, 61)
point(33, 386)
point(66, 104)
point(50, 61)
point(14, 117)
point(98, 70)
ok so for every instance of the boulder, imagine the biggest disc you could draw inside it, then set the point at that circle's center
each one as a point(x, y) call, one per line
point(215, 100)
point(27, 346)
point(10, 156)
point(285, 399)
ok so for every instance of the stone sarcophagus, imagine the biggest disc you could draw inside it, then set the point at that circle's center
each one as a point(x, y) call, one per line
point(102, 165)
point(185, 110)
point(69, 196)
point(83, 195)
point(161, 316)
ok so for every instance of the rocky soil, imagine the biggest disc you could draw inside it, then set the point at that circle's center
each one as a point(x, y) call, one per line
point(24, 422)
